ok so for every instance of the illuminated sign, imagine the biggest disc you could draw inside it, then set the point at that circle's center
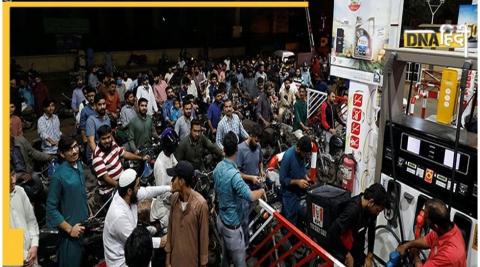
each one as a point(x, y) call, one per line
point(450, 36)
point(428, 38)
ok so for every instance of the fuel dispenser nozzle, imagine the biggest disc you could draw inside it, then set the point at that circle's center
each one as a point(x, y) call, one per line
point(420, 220)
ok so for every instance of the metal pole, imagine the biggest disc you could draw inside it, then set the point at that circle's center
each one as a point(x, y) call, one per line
point(411, 85)
point(309, 27)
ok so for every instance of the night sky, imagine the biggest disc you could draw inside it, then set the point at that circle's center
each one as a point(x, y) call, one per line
point(37, 31)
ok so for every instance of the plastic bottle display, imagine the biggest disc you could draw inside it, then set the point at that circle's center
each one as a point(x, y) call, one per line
point(363, 41)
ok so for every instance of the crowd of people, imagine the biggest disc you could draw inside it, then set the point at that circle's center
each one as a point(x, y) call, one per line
point(194, 110)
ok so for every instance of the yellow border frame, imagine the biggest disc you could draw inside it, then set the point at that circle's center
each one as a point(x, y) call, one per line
point(253, 4)
point(12, 238)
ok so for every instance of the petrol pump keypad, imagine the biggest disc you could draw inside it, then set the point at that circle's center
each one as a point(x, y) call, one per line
point(429, 176)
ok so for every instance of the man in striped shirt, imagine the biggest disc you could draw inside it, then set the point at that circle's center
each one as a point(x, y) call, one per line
point(49, 128)
point(106, 161)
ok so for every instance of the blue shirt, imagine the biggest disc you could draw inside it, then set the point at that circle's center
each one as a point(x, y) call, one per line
point(214, 113)
point(27, 94)
point(307, 81)
point(230, 189)
point(212, 90)
point(291, 167)
point(248, 161)
point(175, 113)
point(77, 97)
point(167, 107)
point(49, 128)
point(94, 122)
point(87, 111)
point(240, 79)
point(321, 86)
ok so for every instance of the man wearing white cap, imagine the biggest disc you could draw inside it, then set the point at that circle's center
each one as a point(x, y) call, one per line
point(122, 216)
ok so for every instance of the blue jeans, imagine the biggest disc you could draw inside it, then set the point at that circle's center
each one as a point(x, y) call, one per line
point(247, 207)
point(293, 209)
point(234, 245)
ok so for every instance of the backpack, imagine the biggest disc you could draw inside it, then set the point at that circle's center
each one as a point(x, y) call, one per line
point(324, 204)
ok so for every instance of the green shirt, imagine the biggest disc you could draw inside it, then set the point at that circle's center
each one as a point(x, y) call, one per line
point(300, 108)
point(67, 196)
point(194, 152)
point(67, 201)
point(140, 132)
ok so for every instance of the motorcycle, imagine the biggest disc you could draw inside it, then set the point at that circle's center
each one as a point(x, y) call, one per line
point(92, 242)
point(328, 162)
point(276, 138)
point(145, 168)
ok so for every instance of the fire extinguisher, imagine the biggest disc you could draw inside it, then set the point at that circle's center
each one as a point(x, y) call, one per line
point(349, 168)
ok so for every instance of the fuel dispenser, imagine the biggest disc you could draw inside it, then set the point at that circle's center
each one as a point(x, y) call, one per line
point(416, 160)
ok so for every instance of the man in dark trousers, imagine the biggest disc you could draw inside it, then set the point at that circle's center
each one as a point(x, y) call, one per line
point(346, 235)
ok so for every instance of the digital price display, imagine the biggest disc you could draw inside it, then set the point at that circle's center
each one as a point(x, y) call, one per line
point(434, 152)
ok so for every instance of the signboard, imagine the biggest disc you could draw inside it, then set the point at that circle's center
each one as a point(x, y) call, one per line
point(467, 14)
point(449, 36)
point(362, 132)
point(430, 38)
point(360, 34)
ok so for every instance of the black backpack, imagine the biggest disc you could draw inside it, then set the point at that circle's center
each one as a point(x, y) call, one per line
point(324, 204)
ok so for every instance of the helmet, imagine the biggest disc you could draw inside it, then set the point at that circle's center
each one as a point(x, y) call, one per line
point(336, 145)
point(169, 140)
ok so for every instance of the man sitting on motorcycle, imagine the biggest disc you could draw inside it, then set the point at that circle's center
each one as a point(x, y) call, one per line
point(160, 209)
point(194, 147)
point(106, 162)
point(328, 116)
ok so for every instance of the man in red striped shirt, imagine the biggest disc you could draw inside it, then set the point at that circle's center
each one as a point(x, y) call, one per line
point(106, 162)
